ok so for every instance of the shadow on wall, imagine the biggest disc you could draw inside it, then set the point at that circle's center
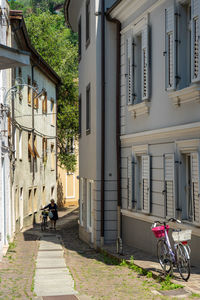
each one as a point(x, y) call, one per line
point(60, 194)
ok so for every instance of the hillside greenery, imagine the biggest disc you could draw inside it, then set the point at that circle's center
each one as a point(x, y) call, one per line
point(58, 46)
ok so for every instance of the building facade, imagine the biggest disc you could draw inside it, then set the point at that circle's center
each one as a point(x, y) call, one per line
point(156, 44)
point(9, 58)
point(32, 131)
point(68, 183)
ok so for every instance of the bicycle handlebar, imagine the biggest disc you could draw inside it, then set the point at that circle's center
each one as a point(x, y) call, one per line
point(169, 220)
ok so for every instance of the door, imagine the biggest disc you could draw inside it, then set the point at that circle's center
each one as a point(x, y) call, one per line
point(21, 208)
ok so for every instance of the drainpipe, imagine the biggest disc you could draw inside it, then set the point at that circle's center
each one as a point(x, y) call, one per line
point(118, 144)
point(102, 117)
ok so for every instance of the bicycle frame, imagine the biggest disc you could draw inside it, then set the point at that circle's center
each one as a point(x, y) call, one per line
point(171, 252)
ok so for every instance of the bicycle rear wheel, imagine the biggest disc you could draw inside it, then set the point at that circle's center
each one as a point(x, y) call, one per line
point(183, 262)
point(164, 257)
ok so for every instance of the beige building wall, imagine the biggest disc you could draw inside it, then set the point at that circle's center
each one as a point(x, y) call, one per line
point(68, 185)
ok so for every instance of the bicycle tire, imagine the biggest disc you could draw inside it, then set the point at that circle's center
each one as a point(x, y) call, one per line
point(183, 262)
point(164, 257)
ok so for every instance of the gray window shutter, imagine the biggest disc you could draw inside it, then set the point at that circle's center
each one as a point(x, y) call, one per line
point(145, 63)
point(169, 185)
point(129, 70)
point(195, 186)
point(170, 37)
point(146, 183)
point(195, 40)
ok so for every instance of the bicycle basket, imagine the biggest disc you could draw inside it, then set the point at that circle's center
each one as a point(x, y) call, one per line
point(159, 231)
point(181, 236)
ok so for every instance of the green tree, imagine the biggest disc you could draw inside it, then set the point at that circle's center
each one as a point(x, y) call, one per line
point(58, 46)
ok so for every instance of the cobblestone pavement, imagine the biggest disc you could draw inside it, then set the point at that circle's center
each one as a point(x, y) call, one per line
point(17, 268)
point(96, 276)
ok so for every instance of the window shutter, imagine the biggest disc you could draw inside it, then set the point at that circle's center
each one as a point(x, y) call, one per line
point(170, 50)
point(195, 186)
point(129, 70)
point(146, 183)
point(130, 188)
point(169, 185)
point(145, 63)
point(195, 40)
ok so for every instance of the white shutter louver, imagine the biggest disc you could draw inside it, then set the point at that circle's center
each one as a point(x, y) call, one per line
point(145, 63)
point(195, 186)
point(129, 70)
point(170, 47)
point(145, 183)
point(195, 40)
point(169, 185)
point(130, 188)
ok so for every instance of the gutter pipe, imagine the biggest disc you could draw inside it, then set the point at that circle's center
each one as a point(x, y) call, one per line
point(102, 119)
point(118, 143)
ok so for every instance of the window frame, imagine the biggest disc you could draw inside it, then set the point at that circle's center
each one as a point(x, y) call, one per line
point(80, 38)
point(88, 109)
point(87, 23)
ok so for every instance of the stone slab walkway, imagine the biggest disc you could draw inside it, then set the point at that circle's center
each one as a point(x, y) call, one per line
point(52, 278)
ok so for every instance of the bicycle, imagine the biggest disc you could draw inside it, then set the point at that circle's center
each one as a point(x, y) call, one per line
point(168, 258)
point(44, 216)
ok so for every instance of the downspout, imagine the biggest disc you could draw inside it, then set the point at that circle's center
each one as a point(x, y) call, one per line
point(102, 117)
point(118, 144)
point(33, 123)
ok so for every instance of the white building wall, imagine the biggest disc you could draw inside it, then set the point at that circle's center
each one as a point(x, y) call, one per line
point(6, 206)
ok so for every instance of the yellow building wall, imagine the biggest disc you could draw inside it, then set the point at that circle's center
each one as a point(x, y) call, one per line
point(68, 187)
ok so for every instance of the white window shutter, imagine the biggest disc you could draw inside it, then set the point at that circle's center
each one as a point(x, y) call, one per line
point(195, 186)
point(170, 38)
point(195, 40)
point(129, 70)
point(169, 185)
point(146, 184)
point(130, 182)
point(145, 63)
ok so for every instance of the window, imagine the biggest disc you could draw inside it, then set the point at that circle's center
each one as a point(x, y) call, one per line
point(44, 103)
point(35, 147)
point(137, 66)
point(35, 92)
point(139, 179)
point(35, 199)
point(79, 38)
point(191, 208)
point(80, 115)
point(17, 204)
point(30, 150)
point(43, 196)
point(20, 145)
point(30, 206)
point(88, 100)
point(53, 116)
point(89, 205)
point(70, 146)
point(81, 201)
point(52, 157)
point(20, 82)
point(44, 150)
point(29, 91)
point(87, 17)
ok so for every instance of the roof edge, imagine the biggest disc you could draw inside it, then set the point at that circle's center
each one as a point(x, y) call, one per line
point(109, 10)
point(18, 16)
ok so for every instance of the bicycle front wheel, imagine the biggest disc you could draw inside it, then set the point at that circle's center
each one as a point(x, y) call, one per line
point(183, 262)
point(164, 257)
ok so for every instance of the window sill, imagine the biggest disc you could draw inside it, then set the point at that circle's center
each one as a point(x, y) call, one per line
point(139, 109)
point(186, 95)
